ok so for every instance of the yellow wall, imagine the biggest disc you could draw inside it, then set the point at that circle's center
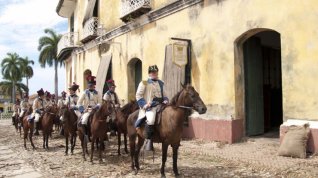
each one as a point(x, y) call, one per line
point(213, 28)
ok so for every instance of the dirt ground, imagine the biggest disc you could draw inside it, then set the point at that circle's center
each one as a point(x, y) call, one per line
point(197, 158)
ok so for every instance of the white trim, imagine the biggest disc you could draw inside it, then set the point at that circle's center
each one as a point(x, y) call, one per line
point(290, 122)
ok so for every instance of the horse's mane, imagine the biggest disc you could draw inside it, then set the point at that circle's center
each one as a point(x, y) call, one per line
point(126, 107)
point(175, 98)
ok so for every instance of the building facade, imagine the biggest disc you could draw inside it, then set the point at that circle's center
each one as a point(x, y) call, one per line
point(253, 62)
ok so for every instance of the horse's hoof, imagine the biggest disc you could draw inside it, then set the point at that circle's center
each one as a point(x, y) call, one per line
point(136, 171)
point(163, 176)
point(177, 174)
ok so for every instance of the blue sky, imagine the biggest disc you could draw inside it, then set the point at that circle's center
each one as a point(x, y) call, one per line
point(22, 23)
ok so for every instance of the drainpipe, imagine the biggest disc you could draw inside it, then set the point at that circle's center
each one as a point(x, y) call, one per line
point(189, 56)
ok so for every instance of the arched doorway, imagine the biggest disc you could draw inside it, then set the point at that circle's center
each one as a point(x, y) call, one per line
point(109, 75)
point(134, 76)
point(259, 81)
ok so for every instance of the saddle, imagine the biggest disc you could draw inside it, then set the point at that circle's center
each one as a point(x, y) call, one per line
point(159, 110)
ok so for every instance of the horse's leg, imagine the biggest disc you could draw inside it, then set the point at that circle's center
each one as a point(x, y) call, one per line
point(139, 145)
point(73, 143)
point(31, 140)
point(163, 159)
point(66, 144)
point(125, 142)
point(92, 148)
point(101, 142)
point(43, 140)
point(119, 142)
point(132, 145)
point(175, 159)
point(83, 146)
point(47, 140)
point(25, 136)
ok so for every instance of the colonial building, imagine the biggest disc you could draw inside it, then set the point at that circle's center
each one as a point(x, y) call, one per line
point(253, 62)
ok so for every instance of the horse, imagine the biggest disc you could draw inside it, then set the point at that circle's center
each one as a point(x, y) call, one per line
point(70, 127)
point(15, 119)
point(99, 127)
point(28, 126)
point(50, 114)
point(121, 122)
point(169, 130)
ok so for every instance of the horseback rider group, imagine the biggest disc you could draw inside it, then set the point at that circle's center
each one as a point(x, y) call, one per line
point(149, 95)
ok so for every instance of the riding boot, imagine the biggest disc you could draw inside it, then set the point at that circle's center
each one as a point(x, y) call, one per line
point(37, 125)
point(149, 137)
point(113, 129)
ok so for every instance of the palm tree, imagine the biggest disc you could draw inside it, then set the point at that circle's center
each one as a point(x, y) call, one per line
point(48, 53)
point(11, 66)
point(27, 69)
point(7, 87)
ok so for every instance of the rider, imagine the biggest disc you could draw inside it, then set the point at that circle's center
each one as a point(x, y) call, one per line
point(47, 101)
point(61, 102)
point(112, 96)
point(53, 99)
point(38, 108)
point(72, 99)
point(16, 110)
point(24, 104)
point(88, 101)
point(150, 94)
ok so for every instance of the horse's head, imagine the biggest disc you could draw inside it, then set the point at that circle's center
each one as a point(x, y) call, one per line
point(107, 107)
point(52, 109)
point(190, 97)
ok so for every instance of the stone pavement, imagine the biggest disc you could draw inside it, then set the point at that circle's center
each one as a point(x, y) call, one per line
point(259, 153)
point(10, 163)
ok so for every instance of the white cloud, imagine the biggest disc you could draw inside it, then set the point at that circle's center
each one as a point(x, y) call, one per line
point(22, 23)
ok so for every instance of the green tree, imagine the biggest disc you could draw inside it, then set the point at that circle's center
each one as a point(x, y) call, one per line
point(48, 53)
point(7, 87)
point(27, 69)
point(11, 70)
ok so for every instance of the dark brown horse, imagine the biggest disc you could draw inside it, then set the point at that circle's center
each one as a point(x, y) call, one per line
point(121, 122)
point(28, 127)
point(50, 113)
point(99, 127)
point(169, 130)
point(70, 127)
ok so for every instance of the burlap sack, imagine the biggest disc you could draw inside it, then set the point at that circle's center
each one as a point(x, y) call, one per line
point(294, 143)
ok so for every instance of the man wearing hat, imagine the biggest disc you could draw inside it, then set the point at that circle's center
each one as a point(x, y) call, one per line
point(47, 101)
point(16, 110)
point(61, 102)
point(38, 108)
point(112, 96)
point(150, 94)
point(53, 99)
point(72, 99)
point(88, 100)
point(24, 104)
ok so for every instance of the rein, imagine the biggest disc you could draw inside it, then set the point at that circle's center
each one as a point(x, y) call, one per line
point(185, 107)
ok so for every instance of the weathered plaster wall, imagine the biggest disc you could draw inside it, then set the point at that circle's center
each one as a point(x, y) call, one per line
point(213, 27)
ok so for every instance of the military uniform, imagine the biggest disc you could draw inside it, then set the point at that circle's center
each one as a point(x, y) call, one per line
point(88, 100)
point(24, 106)
point(149, 95)
point(38, 108)
point(16, 110)
point(71, 102)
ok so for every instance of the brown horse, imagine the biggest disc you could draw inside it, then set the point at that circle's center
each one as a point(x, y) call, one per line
point(50, 114)
point(169, 130)
point(70, 127)
point(121, 122)
point(99, 127)
point(28, 126)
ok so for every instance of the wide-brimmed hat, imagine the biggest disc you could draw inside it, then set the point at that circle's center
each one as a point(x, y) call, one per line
point(40, 92)
point(91, 80)
point(153, 68)
point(73, 87)
point(110, 83)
